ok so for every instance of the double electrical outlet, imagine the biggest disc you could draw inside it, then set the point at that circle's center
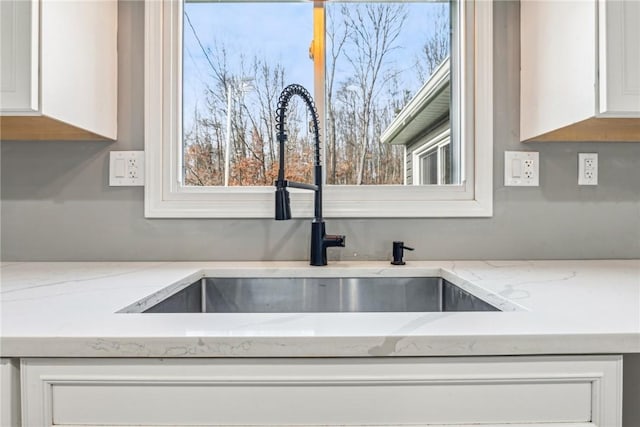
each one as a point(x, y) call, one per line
point(587, 168)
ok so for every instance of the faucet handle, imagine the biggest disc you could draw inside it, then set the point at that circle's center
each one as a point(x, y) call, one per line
point(334, 240)
point(398, 252)
point(283, 205)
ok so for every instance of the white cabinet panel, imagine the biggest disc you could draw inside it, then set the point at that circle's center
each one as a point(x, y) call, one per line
point(79, 62)
point(620, 58)
point(330, 401)
point(9, 393)
point(19, 55)
point(575, 391)
point(557, 64)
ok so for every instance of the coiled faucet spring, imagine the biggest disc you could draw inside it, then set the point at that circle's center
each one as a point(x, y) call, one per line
point(319, 239)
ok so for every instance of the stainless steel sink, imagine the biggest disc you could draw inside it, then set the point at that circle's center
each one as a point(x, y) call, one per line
point(319, 295)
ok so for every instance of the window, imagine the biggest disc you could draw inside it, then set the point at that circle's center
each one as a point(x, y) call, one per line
point(431, 161)
point(216, 173)
point(428, 168)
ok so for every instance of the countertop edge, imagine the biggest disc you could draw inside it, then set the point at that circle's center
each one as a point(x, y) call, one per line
point(309, 347)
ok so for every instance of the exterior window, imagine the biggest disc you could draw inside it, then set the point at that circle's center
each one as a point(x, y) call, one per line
point(383, 75)
point(429, 167)
point(431, 160)
point(372, 60)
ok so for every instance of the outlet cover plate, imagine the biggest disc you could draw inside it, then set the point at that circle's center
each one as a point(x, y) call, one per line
point(587, 168)
point(521, 168)
point(126, 168)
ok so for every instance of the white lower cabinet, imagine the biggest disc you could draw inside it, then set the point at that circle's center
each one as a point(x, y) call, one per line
point(9, 392)
point(567, 391)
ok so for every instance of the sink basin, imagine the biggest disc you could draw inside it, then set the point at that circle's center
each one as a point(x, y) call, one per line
point(319, 295)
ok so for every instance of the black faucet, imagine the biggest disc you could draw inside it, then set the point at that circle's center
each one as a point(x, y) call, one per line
point(320, 241)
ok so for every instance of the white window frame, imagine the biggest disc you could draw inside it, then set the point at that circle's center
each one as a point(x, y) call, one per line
point(165, 197)
point(434, 143)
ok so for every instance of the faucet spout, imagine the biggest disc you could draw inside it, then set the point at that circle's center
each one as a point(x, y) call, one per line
point(320, 241)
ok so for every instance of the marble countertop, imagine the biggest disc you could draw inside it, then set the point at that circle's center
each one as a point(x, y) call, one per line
point(551, 307)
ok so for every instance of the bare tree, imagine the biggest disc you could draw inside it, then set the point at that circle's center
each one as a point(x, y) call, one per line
point(374, 29)
point(337, 34)
point(250, 114)
point(437, 46)
point(270, 81)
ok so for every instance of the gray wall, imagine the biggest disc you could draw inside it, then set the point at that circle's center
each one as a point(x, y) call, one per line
point(56, 204)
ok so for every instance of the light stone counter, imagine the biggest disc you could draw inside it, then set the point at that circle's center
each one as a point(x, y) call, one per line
point(551, 307)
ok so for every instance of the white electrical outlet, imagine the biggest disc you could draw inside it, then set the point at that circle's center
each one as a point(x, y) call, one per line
point(521, 168)
point(126, 168)
point(587, 168)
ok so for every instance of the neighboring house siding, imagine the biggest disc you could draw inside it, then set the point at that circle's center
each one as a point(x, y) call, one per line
point(426, 114)
point(409, 173)
point(419, 142)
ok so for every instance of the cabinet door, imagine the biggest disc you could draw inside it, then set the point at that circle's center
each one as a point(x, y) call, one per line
point(492, 391)
point(619, 57)
point(558, 67)
point(19, 53)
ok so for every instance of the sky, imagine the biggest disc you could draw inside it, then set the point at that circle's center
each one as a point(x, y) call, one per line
point(280, 32)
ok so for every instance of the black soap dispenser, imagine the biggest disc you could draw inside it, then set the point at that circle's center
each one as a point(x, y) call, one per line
point(398, 253)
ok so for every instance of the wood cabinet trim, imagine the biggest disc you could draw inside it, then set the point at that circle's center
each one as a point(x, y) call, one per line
point(41, 128)
point(595, 130)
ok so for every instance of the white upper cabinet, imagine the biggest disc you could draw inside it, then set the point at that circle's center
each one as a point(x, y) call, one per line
point(19, 78)
point(59, 69)
point(619, 59)
point(580, 70)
